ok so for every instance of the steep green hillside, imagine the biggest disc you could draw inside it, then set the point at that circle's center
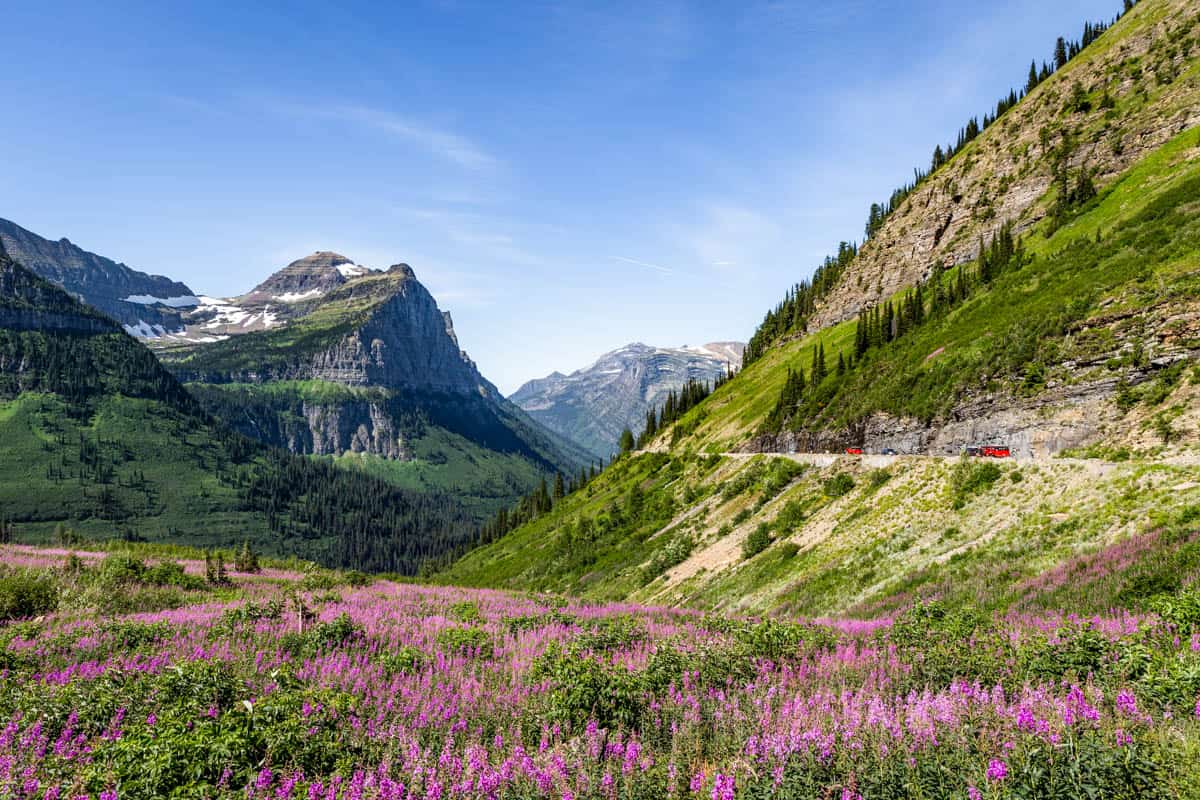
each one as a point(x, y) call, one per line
point(99, 438)
point(1074, 337)
point(1110, 292)
point(765, 532)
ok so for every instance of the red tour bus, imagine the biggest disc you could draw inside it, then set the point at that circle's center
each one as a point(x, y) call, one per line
point(988, 451)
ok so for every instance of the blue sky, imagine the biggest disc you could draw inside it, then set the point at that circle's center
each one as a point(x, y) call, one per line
point(565, 177)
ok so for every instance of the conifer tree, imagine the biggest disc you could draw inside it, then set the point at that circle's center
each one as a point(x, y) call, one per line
point(559, 489)
point(1032, 82)
point(818, 364)
point(1060, 53)
point(626, 443)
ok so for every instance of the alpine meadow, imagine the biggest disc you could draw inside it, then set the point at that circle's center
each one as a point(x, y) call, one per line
point(930, 529)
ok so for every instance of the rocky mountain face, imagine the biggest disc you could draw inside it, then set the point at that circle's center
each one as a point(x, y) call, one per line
point(144, 304)
point(338, 360)
point(592, 406)
point(380, 329)
point(306, 278)
point(1003, 176)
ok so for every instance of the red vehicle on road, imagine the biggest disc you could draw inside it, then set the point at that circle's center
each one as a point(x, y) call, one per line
point(988, 451)
point(854, 451)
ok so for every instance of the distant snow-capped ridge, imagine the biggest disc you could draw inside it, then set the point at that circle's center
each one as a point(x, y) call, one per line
point(594, 404)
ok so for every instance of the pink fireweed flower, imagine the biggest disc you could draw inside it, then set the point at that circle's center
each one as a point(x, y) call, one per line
point(997, 770)
point(974, 794)
point(723, 787)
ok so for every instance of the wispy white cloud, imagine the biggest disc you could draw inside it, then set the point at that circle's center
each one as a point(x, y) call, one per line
point(446, 144)
point(725, 235)
point(647, 264)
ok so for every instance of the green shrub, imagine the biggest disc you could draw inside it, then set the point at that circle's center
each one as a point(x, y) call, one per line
point(533, 622)
point(970, 478)
point(170, 573)
point(357, 578)
point(675, 552)
point(1077, 653)
point(466, 611)
point(132, 635)
point(877, 478)
point(465, 641)
point(333, 634)
point(1181, 610)
point(839, 485)
point(790, 517)
point(778, 640)
point(716, 666)
point(120, 568)
point(582, 688)
point(251, 612)
point(405, 661)
point(27, 594)
point(758, 540)
point(610, 633)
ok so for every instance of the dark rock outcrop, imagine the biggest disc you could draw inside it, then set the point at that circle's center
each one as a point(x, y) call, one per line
point(98, 281)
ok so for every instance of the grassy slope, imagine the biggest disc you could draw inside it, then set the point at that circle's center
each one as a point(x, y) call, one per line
point(877, 546)
point(184, 500)
point(483, 480)
point(1151, 255)
point(893, 535)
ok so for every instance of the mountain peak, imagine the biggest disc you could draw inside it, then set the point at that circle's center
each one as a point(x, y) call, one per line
point(307, 277)
point(402, 269)
point(593, 405)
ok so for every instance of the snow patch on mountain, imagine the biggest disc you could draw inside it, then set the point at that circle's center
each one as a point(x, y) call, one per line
point(183, 301)
point(144, 330)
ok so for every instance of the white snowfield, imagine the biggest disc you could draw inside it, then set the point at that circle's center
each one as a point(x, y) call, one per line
point(352, 270)
point(144, 330)
point(183, 301)
point(296, 297)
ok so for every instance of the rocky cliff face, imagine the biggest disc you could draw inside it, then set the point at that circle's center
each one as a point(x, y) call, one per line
point(1002, 175)
point(592, 406)
point(381, 330)
point(325, 429)
point(137, 300)
point(1077, 407)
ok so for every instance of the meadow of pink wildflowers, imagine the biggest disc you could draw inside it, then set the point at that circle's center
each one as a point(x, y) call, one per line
point(402, 691)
